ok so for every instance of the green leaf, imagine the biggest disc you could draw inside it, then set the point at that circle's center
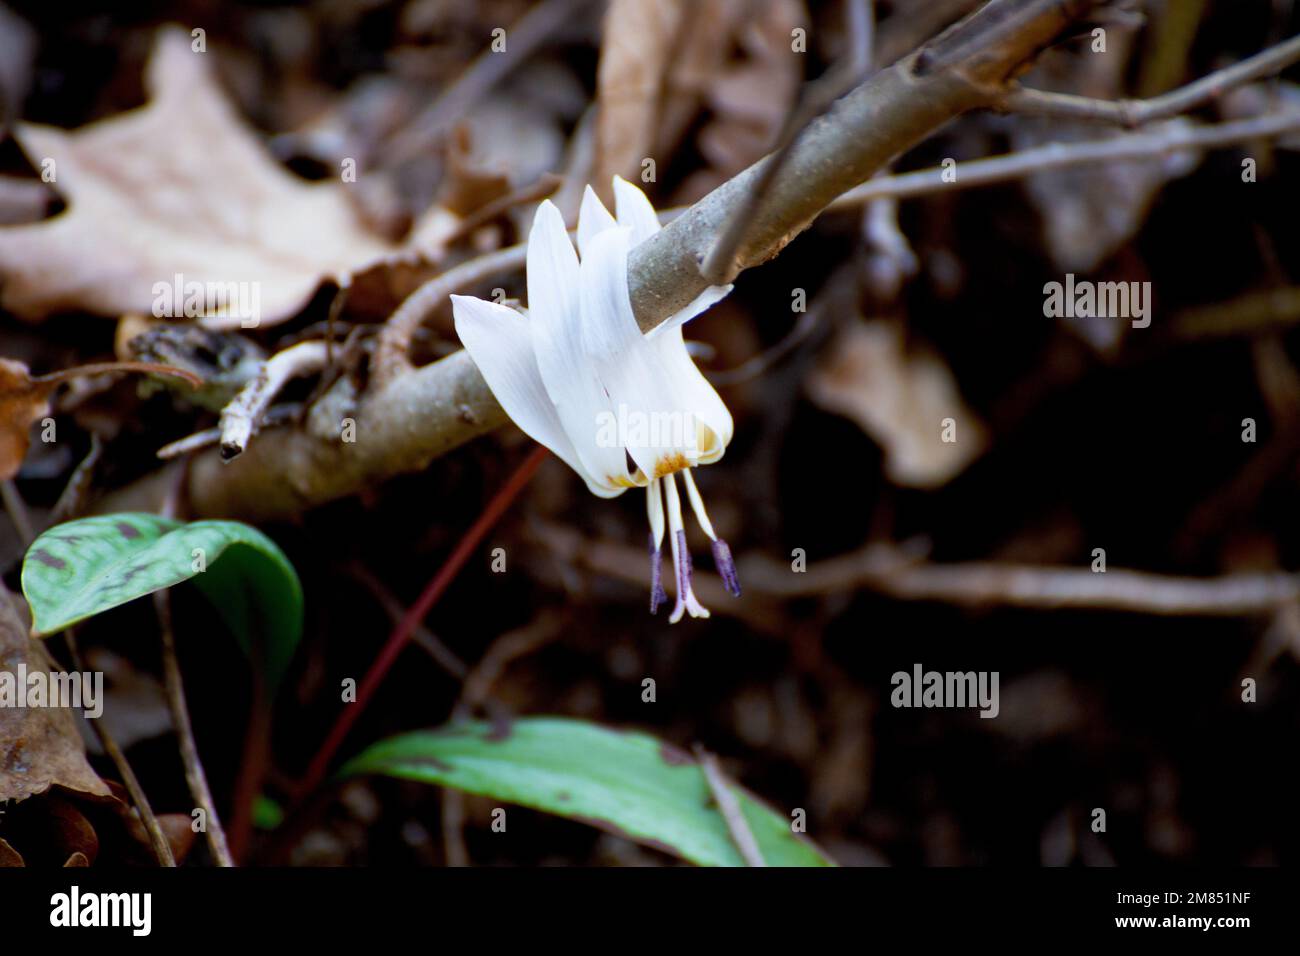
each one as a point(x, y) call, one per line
point(81, 568)
point(631, 784)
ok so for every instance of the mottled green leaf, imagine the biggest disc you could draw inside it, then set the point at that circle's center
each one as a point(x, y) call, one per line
point(631, 784)
point(81, 568)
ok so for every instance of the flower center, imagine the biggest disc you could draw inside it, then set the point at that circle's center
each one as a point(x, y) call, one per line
point(658, 501)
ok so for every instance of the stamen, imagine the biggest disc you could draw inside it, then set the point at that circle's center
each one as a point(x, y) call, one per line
point(726, 567)
point(697, 504)
point(657, 595)
point(721, 550)
point(655, 510)
point(686, 600)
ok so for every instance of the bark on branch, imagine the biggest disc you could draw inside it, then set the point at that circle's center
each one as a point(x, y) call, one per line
point(405, 423)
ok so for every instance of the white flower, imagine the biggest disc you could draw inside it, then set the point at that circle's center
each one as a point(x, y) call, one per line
point(623, 409)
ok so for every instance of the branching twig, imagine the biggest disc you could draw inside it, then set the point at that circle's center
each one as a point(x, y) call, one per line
point(996, 169)
point(194, 774)
point(1137, 112)
point(405, 423)
point(279, 415)
point(162, 850)
point(395, 339)
point(895, 573)
point(719, 265)
point(442, 655)
point(523, 38)
point(241, 418)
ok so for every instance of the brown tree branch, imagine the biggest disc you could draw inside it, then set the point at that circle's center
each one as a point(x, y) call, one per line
point(403, 424)
point(1138, 112)
point(414, 417)
point(1147, 145)
point(890, 571)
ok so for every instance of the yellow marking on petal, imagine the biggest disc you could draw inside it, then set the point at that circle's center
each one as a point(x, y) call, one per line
point(670, 463)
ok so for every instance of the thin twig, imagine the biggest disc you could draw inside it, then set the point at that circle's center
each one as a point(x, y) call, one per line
point(1134, 113)
point(896, 572)
point(395, 338)
point(73, 497)
point(17, 509)
point(720, 266)
point(545, 187)
point(240, 419)
point(406, 422)
point(729, 807)
point(455, 852)
point(507, 648)
point(428, 411)
point(401, 634)
point(162, 850)
point(442, 655)
point(996, 169)
point(522, 38)
point(194, 774)
point(157, 840)
point(278, 415)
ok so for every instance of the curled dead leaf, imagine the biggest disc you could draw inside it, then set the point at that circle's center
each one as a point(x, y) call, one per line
point(25, 399)
point(902, 398)
point(178, 187)
point(39, 746)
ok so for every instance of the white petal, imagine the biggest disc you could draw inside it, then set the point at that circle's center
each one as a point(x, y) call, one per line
point(499, 342)
point(655, 511)
point(593, 219)
point(648, 394)
point(634, 211)
point(552, 265)
point(709, 297)
point(580, 403)
point(695, 393)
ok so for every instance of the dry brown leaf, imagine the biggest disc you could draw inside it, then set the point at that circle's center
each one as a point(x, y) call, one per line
point(1089, 212)
point(900, 397)
point(24, 398)
point(9, 856)
point(657, 60)
point(180, 186)
point(751, 96)
point(70, 829)
point(22, 402)
point(39, 746)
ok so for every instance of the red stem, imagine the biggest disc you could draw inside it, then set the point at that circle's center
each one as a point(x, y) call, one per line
point(417, 612)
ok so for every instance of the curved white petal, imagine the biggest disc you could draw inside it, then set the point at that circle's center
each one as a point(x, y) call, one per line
point(634, 211)
point(695, 393)
point(659, 403)
point(706, 299)
point(580, 404)
point(593, 219)
point(552, 265)
point(498, 340)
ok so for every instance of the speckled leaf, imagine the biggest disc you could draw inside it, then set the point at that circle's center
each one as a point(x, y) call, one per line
point(81, 568)
point(627, 783)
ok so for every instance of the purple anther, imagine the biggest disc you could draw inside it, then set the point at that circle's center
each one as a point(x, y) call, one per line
point(726, 567)
point(657, 595)
point(683, 573)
